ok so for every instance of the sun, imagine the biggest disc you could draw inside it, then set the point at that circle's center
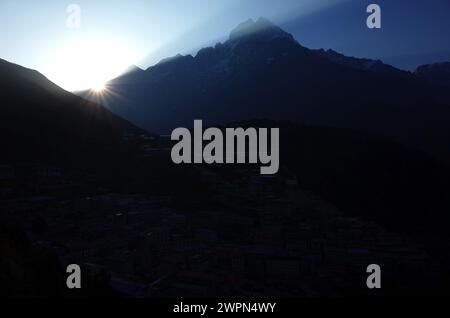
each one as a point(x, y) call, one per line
point(88, 63)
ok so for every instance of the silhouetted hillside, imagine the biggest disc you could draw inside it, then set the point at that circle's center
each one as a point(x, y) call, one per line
point(42, 123)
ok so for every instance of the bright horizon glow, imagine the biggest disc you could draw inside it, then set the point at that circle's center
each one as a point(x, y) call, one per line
point(85, 64)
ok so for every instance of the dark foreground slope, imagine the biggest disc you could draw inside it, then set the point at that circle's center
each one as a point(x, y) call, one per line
point(365, 175)
point(369, 176)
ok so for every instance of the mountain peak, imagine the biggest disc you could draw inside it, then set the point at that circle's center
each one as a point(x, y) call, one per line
point(260, 26)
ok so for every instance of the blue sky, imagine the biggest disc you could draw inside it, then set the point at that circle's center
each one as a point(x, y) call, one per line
point(114, 34)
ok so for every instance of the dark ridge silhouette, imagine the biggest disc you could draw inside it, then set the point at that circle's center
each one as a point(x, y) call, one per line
point(262, 71)
point(376, 66)
point(42, 123)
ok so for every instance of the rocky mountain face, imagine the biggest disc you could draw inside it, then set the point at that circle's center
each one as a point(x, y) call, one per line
point(261, 71)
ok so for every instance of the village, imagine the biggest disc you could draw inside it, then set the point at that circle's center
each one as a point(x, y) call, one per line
point(258, 235)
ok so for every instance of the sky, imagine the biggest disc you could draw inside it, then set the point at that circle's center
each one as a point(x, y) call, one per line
point(112, 35)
